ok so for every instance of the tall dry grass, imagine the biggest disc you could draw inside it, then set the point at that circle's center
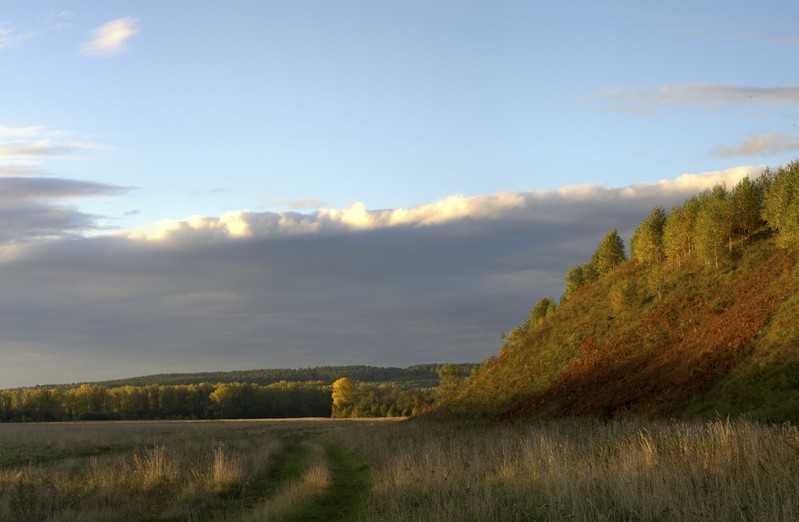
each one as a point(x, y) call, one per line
point(153, 471)
point(580, 470)
point(564, 470)
point(293, 496)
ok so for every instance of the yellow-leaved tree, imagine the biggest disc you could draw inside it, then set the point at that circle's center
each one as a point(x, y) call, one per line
point(344, 392)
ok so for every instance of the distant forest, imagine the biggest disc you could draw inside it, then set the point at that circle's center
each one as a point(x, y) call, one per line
point(412, 377)
point(373, 392)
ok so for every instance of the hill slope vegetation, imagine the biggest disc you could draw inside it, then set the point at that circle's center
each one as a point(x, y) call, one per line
point(702, 321)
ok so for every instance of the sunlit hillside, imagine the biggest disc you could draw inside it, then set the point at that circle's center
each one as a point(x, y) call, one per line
point(695, 325)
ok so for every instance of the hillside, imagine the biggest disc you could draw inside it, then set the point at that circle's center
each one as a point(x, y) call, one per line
point(712, 331)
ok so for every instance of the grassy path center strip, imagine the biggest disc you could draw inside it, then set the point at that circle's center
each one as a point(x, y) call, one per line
point(346, 495)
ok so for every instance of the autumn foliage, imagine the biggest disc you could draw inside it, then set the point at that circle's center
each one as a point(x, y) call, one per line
point(702, 321)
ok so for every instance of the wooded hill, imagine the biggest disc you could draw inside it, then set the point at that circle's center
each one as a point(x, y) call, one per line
point(412, 377)
point(701, 321)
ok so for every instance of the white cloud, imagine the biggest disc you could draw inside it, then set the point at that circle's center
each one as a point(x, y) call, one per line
point(10, 38)
point(110, 38)
point(229, 225)
point(42, 147)
point(36, 141)
point(18, 132)
point(534, 205)
point(760, 145)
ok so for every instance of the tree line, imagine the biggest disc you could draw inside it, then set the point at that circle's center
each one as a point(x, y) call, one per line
point(190, 401)
point(353, 399)
point(707, 228)
point(230, 400)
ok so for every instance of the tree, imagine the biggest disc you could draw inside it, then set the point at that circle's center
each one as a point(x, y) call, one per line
point(234, 400)
point(42, 404)
point(542, 309)
point(678, 231)
point(714, 226)
point(646, 244)
point(579, 275)
point(89, 401)
point(131, 402)
point(575, 278)
point(781, 204)
point(344, 394)
point(747, 202)
point(609, 254)
point(484, 365)
point(450, 378)
point(623, 296)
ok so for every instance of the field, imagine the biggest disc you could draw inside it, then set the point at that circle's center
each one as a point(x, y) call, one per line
point(395, 470)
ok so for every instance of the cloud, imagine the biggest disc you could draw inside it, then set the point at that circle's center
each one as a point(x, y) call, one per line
point(10, 38)
point(698, 94)
point(760, 145)
point(43, 147)
point(38, 141)
point(305, 203)
point(32, 208)
point(436, 282)
point(21, 168)
point(110, 38)
point(16, 132)
point(49, 188)
point(271, 199)
point(34, 205)
point(539, 205)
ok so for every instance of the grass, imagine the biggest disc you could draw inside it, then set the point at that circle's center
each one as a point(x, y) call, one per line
point(582, 470)
point(248, 471)
point(347, 488)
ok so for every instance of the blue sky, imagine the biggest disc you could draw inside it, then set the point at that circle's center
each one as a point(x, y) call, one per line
point(286, 124)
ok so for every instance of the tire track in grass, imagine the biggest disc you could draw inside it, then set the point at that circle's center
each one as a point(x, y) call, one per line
point(314, 480)
point(347, 492)
point(252, 503)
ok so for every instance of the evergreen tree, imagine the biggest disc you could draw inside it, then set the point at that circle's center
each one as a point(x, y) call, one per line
point(609, 254)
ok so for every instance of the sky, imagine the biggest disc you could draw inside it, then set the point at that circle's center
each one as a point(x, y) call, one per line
point(216, 186)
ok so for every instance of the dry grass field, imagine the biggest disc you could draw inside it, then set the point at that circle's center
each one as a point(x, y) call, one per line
point(381, 470)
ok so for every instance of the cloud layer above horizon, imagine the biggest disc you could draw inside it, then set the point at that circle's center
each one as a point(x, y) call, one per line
point(437, 282)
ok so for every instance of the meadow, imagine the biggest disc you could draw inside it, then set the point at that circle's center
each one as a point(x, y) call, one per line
point(323, 469)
